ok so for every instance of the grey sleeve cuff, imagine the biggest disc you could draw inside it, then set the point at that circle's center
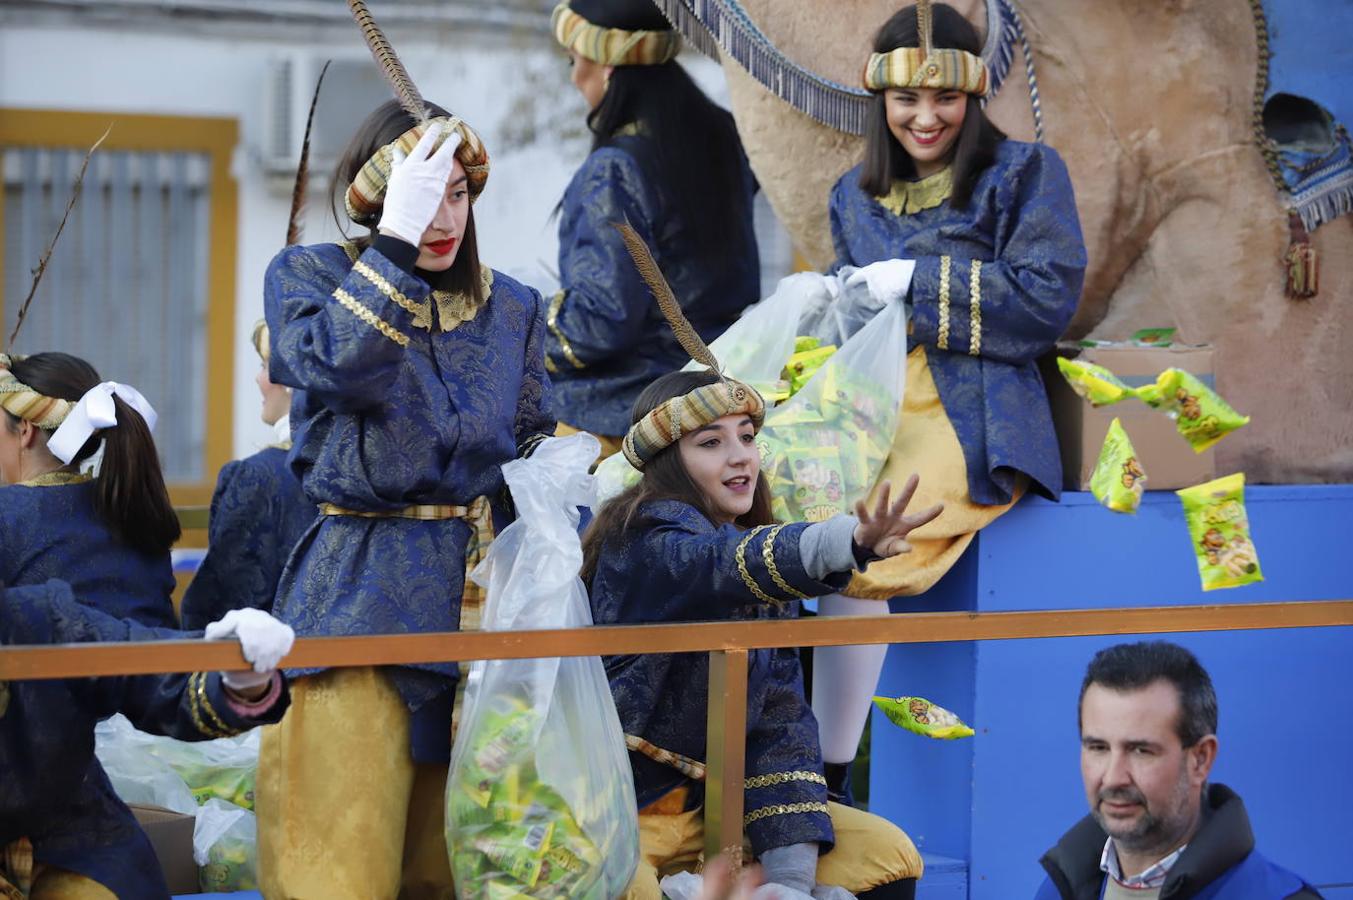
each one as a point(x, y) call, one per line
point(826, 547)
point(794, 866)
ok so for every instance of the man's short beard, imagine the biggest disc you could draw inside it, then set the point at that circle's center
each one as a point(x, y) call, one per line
point(1151, 831)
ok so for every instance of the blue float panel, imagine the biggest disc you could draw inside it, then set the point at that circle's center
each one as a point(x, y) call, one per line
point(999, 800)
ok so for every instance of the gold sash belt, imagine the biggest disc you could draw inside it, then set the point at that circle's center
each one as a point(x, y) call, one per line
point(427, 512)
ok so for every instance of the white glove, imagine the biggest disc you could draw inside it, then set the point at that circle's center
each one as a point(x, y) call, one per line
point(263, 641)
point(887, 279)
point(417, 185)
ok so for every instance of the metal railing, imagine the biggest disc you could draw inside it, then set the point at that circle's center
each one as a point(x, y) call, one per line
point(727, 644)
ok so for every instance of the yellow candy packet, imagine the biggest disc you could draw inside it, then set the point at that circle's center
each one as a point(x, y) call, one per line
point(919, 715)
point(1220, 528)
point(809, 356)
point(1200, 415)
point(1118, 480)
point(1093, 382)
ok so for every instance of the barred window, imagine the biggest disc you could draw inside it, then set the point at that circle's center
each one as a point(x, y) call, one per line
point(126, 286)
point(135, 283)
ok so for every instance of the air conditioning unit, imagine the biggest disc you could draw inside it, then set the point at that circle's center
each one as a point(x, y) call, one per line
point(352, 88)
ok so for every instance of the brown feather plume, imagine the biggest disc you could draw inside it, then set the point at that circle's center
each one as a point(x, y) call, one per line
point(303, 168)
point(47, 253)
point(405, 91)
point(686, 335)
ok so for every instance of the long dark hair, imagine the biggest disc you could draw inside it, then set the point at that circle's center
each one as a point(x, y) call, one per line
point(387, 122)
point(884, 158)
point(693, 149)
point(129, 494)
point(665, 478)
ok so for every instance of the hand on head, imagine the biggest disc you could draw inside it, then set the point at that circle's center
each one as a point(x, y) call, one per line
point(417, 185)
point(884, 531)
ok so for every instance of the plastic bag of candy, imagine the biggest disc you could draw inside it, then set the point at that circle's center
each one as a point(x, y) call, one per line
point(539, 797)
point(920, 716)
point(1220, 530)
point(1118, 480)
point(1200, 415)
point(225, 847)
point(823, 449)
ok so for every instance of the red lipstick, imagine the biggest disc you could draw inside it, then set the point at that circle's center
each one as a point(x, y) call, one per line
point(443, 247)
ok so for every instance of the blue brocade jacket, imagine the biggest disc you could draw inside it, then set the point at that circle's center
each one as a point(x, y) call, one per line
point(390, 410)
point(995, 286)
point(676, 566)
point(53, 790)
point(52, 531)
point(607, 339)
point(258, 513)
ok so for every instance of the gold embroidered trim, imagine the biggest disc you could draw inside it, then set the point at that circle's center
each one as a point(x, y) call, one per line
point(352, 250)
point(421, 312)
point(774, 778)
point(906, 198)
point(782, 809)
point(52, 479)
point(768, 557)
point(691, 768)
point(975, 324)
point(456, 308)
point(351, 305)
point(747, 578)
point(426, 512)
point(198, 703)
point(943, 340)
point(552, 321)
point(529, 445)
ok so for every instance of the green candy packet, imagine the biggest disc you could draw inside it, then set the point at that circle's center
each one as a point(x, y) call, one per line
point(1093, 382)
point(1201, 416)
point(1221, 533)
point(1153, 337)
point(919, 715)
point(1118, 480)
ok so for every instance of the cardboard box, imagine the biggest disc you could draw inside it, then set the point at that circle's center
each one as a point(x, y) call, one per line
point(171, 834)
point(1169, 461)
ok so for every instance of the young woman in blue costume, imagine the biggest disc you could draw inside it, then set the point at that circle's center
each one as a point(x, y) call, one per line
point(985, 231)
point(63, 831)
point(258, 513)
point(668, 160)
point(694, 540)
point(416, 373)
point(107, 535)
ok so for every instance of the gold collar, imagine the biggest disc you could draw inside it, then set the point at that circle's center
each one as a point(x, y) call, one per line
point(453, 308)
point(56, 478)
point(909, 197)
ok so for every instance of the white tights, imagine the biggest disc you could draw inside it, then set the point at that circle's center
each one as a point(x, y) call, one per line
point(844, 681)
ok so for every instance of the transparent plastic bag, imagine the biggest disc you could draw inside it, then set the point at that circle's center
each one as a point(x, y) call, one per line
point(137, 774)
point(224, 768)
point(754, 348)
point(845, 311)
point(824, 448)
point(539, 798)
point(225, 847)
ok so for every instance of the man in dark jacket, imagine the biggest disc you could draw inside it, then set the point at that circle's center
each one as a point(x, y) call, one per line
point(1157, 829)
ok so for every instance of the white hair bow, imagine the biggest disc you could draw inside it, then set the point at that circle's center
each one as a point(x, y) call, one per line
point(94, 411)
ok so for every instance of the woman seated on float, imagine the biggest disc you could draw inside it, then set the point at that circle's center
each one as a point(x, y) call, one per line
point(694, 540)
point(107, 535)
